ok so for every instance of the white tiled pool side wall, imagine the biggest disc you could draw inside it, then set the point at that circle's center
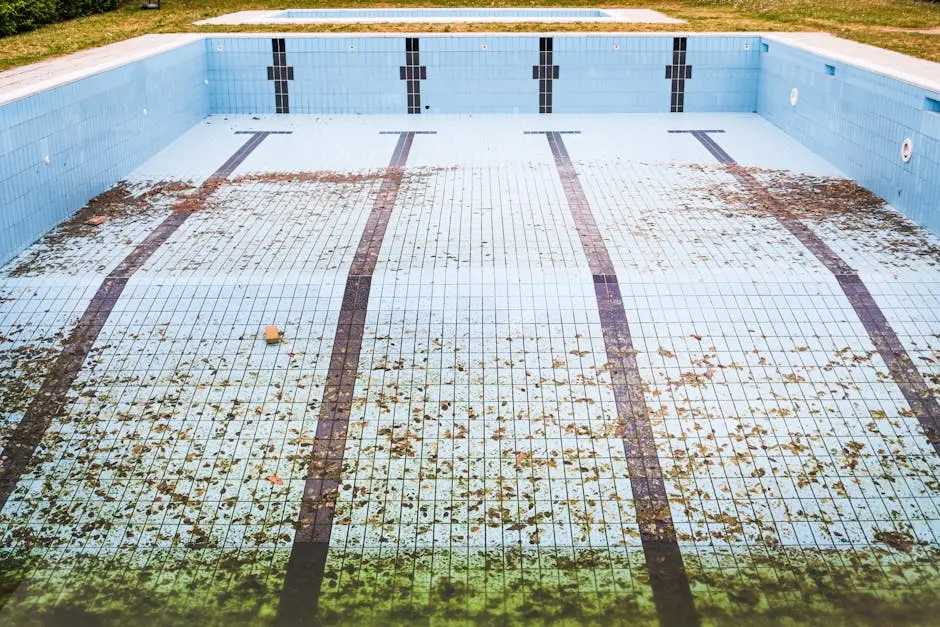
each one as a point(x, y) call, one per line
point(64, 145)
point(858, 120)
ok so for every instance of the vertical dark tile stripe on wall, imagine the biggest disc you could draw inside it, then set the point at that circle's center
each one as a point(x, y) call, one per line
point(678, 72)
point(412, 72)
point(545, 73)
point(50, 399)
point(672, 593)
point(307, 563)
point(280, 73)
point(919, 396)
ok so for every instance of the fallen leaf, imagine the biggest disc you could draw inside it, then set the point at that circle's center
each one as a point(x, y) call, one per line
point(275, 479)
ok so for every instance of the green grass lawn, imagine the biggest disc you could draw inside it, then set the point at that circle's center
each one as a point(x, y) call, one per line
point(886, 23)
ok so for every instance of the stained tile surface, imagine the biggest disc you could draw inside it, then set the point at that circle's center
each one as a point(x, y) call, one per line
point(483, 474)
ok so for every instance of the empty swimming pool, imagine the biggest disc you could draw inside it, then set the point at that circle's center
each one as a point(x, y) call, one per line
point(580, 330)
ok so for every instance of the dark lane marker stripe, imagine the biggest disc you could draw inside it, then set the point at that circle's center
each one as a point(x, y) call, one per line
point(679, 72)
point(668, 579)
point(412, 72)
point(306, 566)
point(545, 72)
point(915, 390)
point(48, 402)
point(280, 73)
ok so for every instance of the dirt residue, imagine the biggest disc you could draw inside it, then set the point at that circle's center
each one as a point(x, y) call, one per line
point(897, 540)
point(24, 367)
point(119, 202)
point(820, 198)
point(840, 202)
point(334, 176)
point(196, 200)
point(314, 176)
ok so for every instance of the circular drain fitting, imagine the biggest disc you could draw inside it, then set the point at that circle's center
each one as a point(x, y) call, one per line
point(907, 149)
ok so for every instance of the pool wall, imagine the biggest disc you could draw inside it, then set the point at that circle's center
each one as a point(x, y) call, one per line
point(858, 120)
point(598, 74)
point(63, 146)
point(96, 130)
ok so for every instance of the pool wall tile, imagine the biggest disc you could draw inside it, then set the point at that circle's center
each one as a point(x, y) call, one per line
point(94, 132)
point(596, 74)
point(858, 120)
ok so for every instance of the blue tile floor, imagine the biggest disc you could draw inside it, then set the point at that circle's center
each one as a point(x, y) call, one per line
point(483, 468)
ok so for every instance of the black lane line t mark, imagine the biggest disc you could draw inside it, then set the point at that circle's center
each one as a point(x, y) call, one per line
point(678, 72)
point(280, 73)
point(545, 73)
point(412, 72)
point(306, 566)
point(672, 593)
point(917, 393)
point(51, 397)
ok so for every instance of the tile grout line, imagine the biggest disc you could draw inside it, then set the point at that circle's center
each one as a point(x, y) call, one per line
point(672, 593)
point(51, 397)
point(919, 396)
point(306, 566)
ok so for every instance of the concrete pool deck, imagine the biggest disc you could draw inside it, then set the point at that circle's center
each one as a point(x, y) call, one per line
point(531, 366)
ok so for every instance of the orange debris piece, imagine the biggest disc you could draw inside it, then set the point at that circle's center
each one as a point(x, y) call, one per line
point(97, 220)
point(271, 334)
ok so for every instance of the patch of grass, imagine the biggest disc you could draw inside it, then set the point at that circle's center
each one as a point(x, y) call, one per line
point(869, 21)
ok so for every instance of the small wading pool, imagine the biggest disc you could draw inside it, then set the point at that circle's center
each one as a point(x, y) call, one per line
point(340, 16)
point(442, 13)
point(595, 327)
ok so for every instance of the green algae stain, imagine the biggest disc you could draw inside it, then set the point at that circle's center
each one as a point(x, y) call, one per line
point(808, 586)
point(760, 586)
point(145, 587)
point(498, 586)
point(486, 586)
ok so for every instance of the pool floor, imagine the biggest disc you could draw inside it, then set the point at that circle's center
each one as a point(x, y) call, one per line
point(531, 367)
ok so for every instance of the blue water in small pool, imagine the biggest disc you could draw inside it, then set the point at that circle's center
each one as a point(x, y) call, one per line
point(439, 13)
